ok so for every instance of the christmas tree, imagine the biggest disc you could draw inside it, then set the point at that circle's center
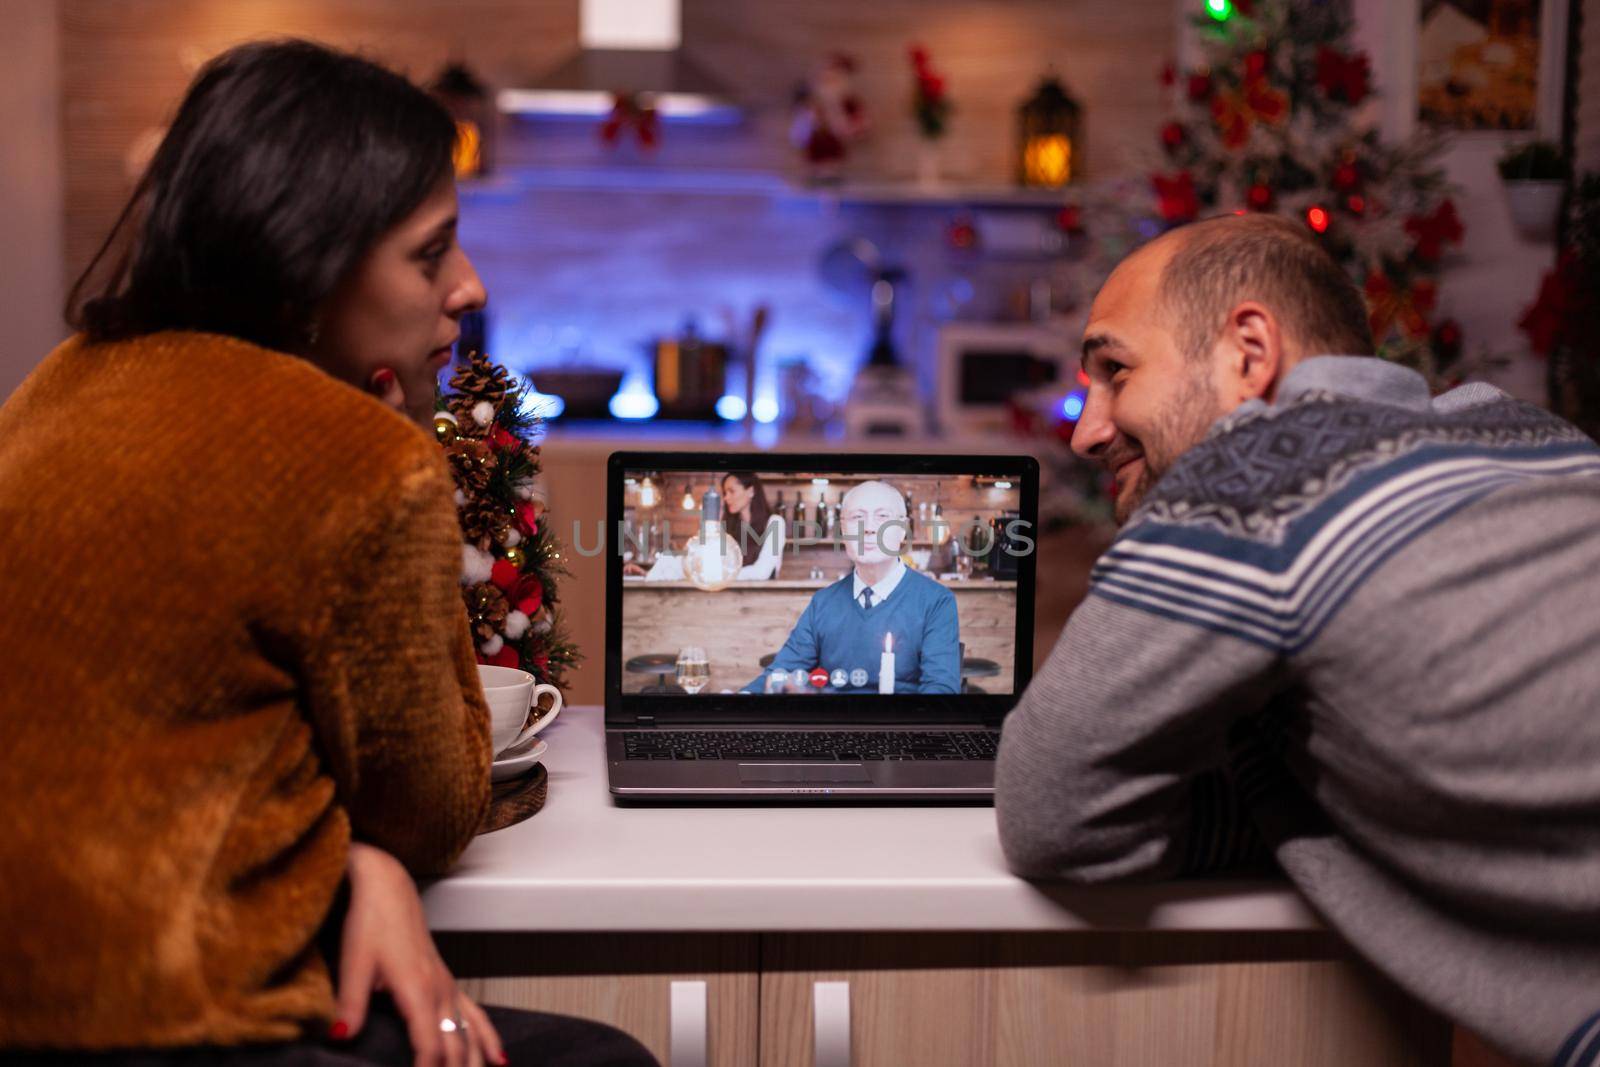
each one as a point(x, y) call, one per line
point(511, 561)
point(1274, 123)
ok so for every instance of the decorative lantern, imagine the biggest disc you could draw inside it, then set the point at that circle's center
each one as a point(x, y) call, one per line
point(469, 103)
point(1049, 147)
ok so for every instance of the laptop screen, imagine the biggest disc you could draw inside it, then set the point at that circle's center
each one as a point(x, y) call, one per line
point(750, 582)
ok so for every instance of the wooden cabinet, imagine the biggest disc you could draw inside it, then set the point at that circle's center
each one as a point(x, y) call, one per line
point(627, 981)
point(1101, 999)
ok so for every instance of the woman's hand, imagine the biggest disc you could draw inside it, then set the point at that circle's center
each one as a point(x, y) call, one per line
point(386, 945)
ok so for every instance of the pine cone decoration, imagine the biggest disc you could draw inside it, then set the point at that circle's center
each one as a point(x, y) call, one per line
point(472, 463)
point(484, 523)
point(486, 610)
point(478, 380)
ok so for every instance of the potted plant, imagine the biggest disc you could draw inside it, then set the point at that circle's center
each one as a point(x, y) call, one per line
point(1535, 176)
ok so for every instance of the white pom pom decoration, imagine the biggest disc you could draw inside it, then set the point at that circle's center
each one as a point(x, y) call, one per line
point(541, 625)
point(461, 498)
point(476, 565)
point(516, 624)
point(483, 412)
point(492, 646)
point(524, 489)
point(512, 538)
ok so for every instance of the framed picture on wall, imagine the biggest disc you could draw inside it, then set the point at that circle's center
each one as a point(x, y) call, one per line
point(1490, 65)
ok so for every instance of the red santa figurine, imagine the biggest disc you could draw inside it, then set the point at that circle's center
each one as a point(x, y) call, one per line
point(828, 116)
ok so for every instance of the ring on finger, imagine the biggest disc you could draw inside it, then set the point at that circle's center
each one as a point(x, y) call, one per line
point(450, 1025)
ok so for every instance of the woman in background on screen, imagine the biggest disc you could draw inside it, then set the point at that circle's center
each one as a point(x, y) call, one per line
point(749, 517)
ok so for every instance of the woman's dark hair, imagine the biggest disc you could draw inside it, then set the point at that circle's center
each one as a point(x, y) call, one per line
point(760, 512)
point(285, 163)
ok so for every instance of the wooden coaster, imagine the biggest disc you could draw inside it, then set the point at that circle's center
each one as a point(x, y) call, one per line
point(515, 799)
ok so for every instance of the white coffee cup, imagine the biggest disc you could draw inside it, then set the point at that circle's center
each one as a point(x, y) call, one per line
point(511, 695)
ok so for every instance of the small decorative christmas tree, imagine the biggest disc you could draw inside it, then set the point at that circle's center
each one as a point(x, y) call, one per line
point(1273, 124)
point(510, 559)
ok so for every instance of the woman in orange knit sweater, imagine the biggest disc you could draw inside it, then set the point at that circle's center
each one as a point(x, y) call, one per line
point(241, 707)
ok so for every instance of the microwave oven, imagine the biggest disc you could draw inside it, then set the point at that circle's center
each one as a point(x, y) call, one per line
point(982, 366)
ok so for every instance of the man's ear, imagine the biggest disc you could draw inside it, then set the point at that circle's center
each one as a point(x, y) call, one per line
point(1256, 352)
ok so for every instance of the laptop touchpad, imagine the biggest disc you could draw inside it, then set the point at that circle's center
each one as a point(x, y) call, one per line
point(803, 772)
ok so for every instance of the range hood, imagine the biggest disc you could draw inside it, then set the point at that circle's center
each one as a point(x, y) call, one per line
point(631, 46)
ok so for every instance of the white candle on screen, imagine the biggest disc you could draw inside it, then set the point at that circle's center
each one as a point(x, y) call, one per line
point(886, 665)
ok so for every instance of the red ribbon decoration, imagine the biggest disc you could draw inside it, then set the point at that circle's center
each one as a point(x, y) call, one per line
point(628, 114)
point(1433, 232)
point(1389, 306)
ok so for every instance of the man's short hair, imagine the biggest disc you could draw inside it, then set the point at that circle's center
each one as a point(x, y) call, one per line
point(1221, 261)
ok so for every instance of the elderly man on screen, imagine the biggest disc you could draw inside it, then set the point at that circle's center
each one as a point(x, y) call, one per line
point(882, 614)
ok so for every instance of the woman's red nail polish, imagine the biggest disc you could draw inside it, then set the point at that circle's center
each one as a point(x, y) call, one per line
point(503, 1060)
point(340, 1030)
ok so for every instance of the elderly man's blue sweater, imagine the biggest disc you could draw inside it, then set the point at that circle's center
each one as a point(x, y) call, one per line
point(836, 633)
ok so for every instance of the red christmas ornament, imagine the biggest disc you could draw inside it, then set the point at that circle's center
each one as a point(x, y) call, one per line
point(503, 575)
point(506, 657)
point(1176, 197)
point(1259, 196)
point(1343, 77)
point(1070, 219)
point(1447, 341)
point(527, 595)
point(501, 440)
point(961, 234)
point(1173, 135)
point(1346, 177)
point(1199, 87)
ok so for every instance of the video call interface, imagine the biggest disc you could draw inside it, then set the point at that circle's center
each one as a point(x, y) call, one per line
point(820, 583)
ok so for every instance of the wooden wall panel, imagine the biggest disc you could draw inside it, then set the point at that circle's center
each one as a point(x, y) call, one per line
point(125, 63)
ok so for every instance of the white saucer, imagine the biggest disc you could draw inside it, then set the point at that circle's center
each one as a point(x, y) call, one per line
point(518, 760)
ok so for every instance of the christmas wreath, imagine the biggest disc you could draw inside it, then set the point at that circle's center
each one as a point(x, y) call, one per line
point(510, 560)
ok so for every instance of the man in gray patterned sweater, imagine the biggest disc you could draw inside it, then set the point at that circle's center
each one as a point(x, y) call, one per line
point(1343, 619)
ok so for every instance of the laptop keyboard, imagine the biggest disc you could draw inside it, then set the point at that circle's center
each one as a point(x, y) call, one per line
point(809, 744)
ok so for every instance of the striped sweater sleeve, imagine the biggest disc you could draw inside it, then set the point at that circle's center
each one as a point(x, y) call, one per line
point(1113, 764)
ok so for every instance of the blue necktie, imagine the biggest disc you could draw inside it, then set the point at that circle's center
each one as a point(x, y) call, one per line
point(866, 598)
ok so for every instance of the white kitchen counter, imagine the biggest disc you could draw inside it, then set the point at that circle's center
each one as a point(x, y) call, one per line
point(586, 864)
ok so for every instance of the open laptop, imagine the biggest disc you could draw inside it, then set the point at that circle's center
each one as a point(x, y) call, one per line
point(814, 626)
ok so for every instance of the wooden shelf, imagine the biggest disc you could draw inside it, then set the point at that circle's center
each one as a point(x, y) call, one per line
point(510, 183)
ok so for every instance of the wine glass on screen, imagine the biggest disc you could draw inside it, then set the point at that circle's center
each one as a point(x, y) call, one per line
point(693, 672)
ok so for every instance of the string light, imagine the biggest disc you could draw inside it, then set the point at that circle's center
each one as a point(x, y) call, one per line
point(1220, 10)
point(1317, 219)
